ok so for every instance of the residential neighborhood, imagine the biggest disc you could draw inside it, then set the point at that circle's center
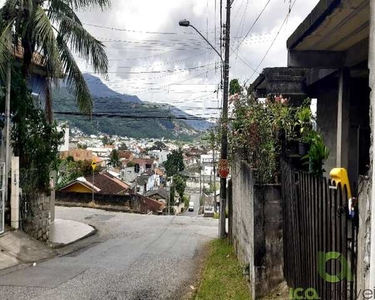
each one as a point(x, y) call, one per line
point(187, 149)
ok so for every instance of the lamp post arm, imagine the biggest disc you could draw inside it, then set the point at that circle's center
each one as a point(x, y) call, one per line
point(207, 42)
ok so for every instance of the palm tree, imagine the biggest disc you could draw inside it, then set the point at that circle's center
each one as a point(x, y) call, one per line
point(50, 30)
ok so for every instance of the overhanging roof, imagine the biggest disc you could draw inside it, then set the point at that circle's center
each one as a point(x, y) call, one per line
point(333, 25)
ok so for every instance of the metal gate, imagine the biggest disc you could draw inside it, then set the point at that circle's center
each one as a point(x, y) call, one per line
point(320, 238)
point(2, 196)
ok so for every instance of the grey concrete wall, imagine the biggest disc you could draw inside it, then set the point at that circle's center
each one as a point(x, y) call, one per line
point(371, 65)
point(327, 118)
point(37, 221)
point(268, 238)
point(243, 218)
point(257, 230)
point(364, 235)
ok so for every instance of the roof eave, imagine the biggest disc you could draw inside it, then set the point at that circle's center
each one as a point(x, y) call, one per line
point(312, 21)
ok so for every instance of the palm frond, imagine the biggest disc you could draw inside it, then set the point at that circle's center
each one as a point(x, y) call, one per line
point(9, 10)
point(82, 42)
point(74, 77)
point(79, 4)
point(5, 42)
point(46, 40)
point(61, 7)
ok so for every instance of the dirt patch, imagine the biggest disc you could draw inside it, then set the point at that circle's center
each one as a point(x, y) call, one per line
point(281, 292)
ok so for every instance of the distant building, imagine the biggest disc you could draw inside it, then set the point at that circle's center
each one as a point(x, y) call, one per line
point(161, 155)
point(65, 145)
point(77, 154)
point(100, 183)
point(159, 195)
point(209, 158)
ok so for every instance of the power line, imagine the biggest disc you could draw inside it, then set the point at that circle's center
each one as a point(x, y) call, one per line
point(158, 71)
point(277, 34)
point(138, 31)
point(179, 82)
point(122, 116)
point(252, 26)
point(165, 63)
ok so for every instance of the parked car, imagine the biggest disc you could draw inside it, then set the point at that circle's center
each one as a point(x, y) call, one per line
point(191, 206)
point(208, 211)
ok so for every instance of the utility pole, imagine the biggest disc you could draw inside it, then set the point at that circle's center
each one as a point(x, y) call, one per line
point(224, 124)
point(214, 169)
point(7, 129)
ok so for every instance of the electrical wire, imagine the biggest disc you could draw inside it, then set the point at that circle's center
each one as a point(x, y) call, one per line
point(139, 31)
point(252, 26)
point(122, 116)
point(273, 41)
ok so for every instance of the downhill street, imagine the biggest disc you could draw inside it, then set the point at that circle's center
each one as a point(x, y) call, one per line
point(131, 257)
point(194, 197)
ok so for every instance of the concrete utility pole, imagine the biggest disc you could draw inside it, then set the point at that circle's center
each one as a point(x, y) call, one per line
point(224, 124)
point(224, 118)
point(7, 129)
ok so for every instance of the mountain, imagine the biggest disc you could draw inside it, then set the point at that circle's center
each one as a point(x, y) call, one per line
point(99, 90)
point(108, 101)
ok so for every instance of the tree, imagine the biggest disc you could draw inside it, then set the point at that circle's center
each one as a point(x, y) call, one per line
point(114, 159)
point(158, 145)
point(70, 170)
point(50, 31)
point(33, 139)
point(123, 147)
point(174, 163)
point(234, 87)
point(107, 141)
point(180, 185)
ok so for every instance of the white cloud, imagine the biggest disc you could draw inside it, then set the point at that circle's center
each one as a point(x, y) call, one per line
point(164, 52)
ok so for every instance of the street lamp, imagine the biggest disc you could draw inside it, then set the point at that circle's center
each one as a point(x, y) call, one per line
point(224, 125)
point(186, 23)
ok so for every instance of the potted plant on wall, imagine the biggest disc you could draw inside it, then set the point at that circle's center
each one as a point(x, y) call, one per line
point(317, 155)
point(304, 127)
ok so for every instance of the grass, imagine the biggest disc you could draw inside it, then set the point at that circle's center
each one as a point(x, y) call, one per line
point(222, 276)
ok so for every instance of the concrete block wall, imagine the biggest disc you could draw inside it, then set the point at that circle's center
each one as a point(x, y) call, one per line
point(37, 222)
point(257, 230)
point(364, 235)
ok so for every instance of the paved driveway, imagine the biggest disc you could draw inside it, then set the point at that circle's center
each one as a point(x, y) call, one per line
point(131, 257)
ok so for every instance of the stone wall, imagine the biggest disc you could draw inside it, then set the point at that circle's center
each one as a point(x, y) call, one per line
point(37, 220)
point(257, 230)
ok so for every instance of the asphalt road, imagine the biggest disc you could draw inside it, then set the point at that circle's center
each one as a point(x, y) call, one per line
point(131, 257)
point(195, 198)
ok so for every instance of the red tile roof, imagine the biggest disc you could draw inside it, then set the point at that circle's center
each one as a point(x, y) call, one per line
point(108, 184)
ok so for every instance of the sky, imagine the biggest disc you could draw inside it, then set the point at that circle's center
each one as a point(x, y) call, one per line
point(152, 57)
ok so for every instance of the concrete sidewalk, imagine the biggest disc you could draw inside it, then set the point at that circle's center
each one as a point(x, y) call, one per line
point(17, 248)
point(65, 232)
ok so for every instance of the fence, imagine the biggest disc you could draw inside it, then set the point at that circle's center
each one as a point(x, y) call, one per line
point(317, 223)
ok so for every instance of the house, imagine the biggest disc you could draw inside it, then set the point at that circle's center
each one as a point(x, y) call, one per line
point(159, 195)
point(191, 160)
point(99, 183)
point(210, 157)
point(77, 154)
point(126, 155)
point(161, 155)
point(148, 181)
point(142, 165)
point(128, 174)
point(334, 47)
